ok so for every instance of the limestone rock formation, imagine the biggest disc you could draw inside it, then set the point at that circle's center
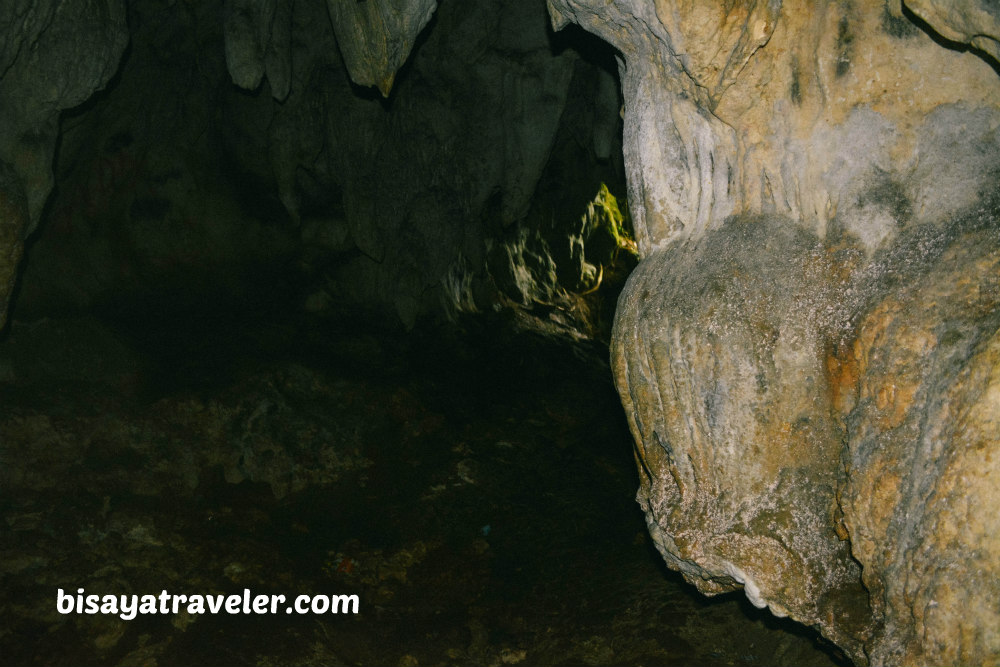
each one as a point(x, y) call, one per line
point(719, 350)
point(54, 54)
point(800, 408)
point(375, 36)
point(457, 191)
point(258, 41)
point(921, 400)
point(800, 112)
point(807, 350)
point(974, 22)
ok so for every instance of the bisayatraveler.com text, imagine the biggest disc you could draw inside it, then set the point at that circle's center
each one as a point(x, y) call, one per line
point(129, 606)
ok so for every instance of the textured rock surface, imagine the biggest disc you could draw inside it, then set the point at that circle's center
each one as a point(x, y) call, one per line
point(808, 353)
point(376, 37)
point(808, 183)
point(974, 22)
point(54, 55)
point(833, 103)
point(456, 193)
point(719, 351)
point(750, 358)
point(921, 402)
point(258, 41)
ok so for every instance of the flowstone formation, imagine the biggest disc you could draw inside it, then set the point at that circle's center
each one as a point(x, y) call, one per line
point(808, 351)
point(800, 408)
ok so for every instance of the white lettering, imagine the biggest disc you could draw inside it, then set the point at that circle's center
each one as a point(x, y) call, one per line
point(128, 611)
point(61, 601)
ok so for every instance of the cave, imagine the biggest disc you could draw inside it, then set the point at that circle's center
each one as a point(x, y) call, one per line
point(499, 332)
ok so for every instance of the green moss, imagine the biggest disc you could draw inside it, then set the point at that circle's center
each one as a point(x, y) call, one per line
point(608, 217)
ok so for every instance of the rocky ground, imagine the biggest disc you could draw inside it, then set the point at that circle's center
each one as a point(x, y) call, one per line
point(476, 493)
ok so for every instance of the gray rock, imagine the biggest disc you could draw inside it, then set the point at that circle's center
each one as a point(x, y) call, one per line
point(258, 41)
point(53, 57)
point(376, 36)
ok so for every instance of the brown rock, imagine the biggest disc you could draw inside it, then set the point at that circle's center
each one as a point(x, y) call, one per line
point(921, 497)
point(975, 22)
point(833, 114)
point(804, 401)
point(720, 357)
point(787, 434)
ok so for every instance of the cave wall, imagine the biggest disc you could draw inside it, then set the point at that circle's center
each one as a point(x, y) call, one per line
point(147, 206)
point(53, 56)
point(806, 351)
point(807, 110)
point(241, 146)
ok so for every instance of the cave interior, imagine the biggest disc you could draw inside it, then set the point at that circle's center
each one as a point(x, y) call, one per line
point(295, 334)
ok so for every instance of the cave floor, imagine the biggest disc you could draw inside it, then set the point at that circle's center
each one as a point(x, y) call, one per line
point(476, 497)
